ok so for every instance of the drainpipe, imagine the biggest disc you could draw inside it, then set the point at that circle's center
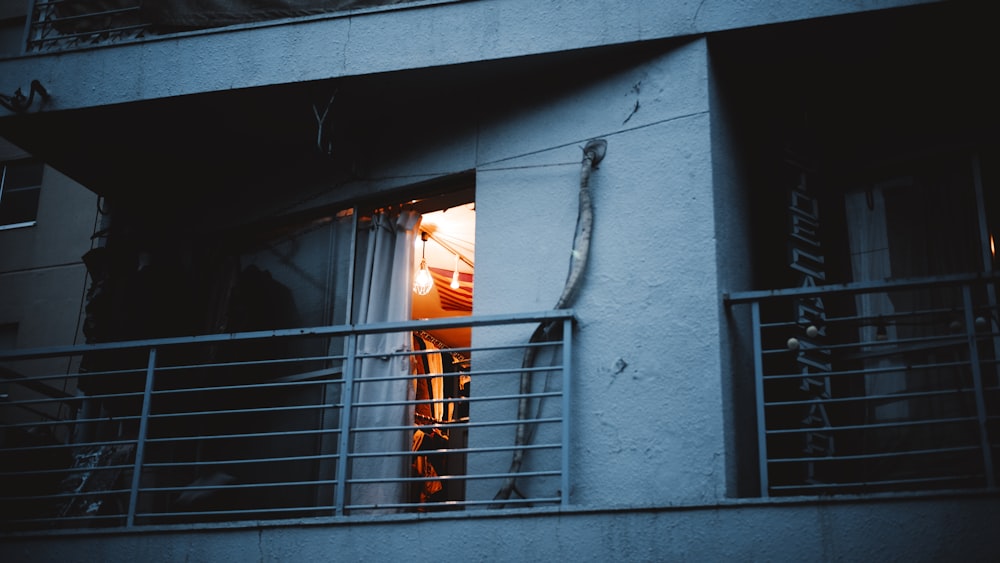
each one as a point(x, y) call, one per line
point(593, 153)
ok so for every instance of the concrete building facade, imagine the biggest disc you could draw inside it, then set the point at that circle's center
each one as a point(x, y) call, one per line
point(786, 186)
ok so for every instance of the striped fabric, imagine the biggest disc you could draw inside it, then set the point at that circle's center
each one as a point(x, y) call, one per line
point(453, 299)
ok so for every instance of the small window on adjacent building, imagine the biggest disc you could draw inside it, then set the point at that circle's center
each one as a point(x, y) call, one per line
point(20, 186)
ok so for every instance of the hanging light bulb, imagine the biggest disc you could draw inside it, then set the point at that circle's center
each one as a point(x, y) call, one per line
point(454, 276)
point(423, 282)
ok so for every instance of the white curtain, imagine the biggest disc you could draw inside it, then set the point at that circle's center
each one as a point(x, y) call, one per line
point(868, 237)
point(384, 296)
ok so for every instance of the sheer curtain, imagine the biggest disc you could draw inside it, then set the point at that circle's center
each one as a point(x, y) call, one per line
point(384, 296)
point(870, 261)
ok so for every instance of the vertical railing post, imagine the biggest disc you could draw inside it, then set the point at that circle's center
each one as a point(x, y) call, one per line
point(758, 374)
point(140, 443)
point(346, 402)
point(567, 362)
point(29, 21)
point(977, 383)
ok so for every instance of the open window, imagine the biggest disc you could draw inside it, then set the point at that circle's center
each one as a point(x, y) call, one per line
point(441, 381)
point(256, 413)
point(871, 284)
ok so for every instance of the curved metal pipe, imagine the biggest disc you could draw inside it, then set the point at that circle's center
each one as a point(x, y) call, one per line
point(593, 154)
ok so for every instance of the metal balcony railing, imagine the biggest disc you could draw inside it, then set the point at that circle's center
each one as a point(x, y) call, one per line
point(882, 386)
point(297, 423)
point(57, 25)
point(65, 25)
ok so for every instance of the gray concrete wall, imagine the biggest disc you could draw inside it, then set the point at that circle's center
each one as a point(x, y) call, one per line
point(652, 460)
point(913, 530)
point(354, 45)
point(646, 392)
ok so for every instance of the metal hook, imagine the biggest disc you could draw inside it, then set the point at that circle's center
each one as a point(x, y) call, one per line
point(320, 119)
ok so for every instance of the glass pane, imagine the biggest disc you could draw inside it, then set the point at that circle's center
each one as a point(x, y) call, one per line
point(19, 206)
point(22, 174)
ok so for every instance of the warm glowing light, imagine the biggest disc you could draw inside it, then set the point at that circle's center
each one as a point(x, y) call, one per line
point(993, 247)
point(423, 282)
point(454, 276)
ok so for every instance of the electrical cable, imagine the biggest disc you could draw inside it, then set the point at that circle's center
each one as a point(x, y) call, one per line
point(593, 153)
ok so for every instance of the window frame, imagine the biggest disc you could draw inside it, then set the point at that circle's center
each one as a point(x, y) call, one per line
point(33, 185)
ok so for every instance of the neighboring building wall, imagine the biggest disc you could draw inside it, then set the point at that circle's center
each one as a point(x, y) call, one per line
point(12, 15)
point(42, 276)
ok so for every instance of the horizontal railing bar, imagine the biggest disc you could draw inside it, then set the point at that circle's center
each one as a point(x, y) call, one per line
point(67, 495)
point(245, 386)
point(743, 297)
point(248, 363)
point(139, 372)
point(843, 484)
point(897, 424)
point(47, 3)
point(50, 419)
point(213, 462)
point(68, 400)
point(407, 353)
point(862, 371)
point(466, 399)
point(153, 490)
point(480, 449)
point(471, 373)
point(481, 349)
point(937, 341)
point(234, 512)
point(334, 330)
point(67, 422)
point(884, 318)
point(461, 503)
point(470, 424)
point(67, 470)
point(479, 476)
point(874, 456)
point(89, 518)
point(492, 423)
point(879, 352)
point(255, 410)
point(68, 446)
point(33, 384)
point(889, 398)
point(210, 437)
point(482, 424)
